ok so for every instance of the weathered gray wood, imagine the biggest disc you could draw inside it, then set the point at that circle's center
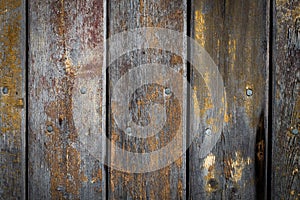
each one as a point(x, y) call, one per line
point(12, 99)
point(234, 34)
point(286, 101)
point(65, 99)
point(168, 182)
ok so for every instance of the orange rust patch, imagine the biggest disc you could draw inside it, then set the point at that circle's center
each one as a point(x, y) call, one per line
point(97, 176)
point(176, 60)
point(11, 104)
point(62, 156)
point(234, 167)
point(11, 73)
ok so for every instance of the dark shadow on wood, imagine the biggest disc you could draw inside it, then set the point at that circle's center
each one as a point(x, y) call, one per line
point(260, 161)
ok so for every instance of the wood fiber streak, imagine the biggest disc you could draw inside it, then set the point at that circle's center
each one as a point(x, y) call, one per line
point(234, 34)
point(286, 100)
point(168, 182)
point(12, 99)
point(65, 99)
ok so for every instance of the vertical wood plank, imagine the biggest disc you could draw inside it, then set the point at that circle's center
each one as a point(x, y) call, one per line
point(168, 182)
point(65, 99)
point(286, 99)
point(234, 34)
point(12, 99)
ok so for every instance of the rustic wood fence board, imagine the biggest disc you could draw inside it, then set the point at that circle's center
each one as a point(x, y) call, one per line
point(234, 34)
point(12, 99)
point(168, 182)
point(65, 99)
point(286, 100)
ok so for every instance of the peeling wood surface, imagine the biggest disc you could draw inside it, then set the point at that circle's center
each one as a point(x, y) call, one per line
point(12, 99)
point(286, 98)
point(168, 182)
point(234, 34)
point(65, 89)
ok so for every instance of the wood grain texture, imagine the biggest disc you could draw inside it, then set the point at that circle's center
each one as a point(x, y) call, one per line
point(65, 99)
point(286, 98)
point(12, 99)
point(234, 34)
point(168, 182)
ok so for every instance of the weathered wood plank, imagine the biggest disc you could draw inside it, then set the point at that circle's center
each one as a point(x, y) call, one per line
point(65, 99)
point(12, 99)
point(234, 34)
point(286, 99)
point(169, 181)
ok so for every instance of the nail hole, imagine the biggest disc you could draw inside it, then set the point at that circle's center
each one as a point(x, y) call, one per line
point(213, 183)
point(60, 120)
point(60, 188)
point(234, 190)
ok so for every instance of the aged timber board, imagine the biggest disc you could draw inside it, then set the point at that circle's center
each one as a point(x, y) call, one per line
point(286, 101)
point(65, 99)
point(234, 34)
point(12, 99)
point(167, 182)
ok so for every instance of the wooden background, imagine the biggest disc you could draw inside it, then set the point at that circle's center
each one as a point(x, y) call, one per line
point(54, 86)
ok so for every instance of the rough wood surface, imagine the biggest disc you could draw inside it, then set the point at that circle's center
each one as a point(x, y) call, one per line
point(65, 99)
point(286, 99)
point(168, 182)
point(233, 33)
point(12, 99)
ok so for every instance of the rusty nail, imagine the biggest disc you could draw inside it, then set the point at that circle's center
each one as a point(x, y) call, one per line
point(5, 90)
point(167, 91)
point(295, 131)
point(249, 92)
point(49, 128)
point(83, 90)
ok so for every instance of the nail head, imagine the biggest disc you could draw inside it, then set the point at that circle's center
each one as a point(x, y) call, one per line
point(208, 131)
point(83, 90)
point(49, 128)
point(5, 90)
point(295, 131)
point(249, 92)
point(167, 91)
point(128, 130)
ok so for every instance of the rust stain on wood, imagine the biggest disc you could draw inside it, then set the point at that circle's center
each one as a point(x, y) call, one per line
point(62, 155)
point(234, 167)
point(145, 13)
point(11, 100)
point(233, 33)
point(66, 55)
